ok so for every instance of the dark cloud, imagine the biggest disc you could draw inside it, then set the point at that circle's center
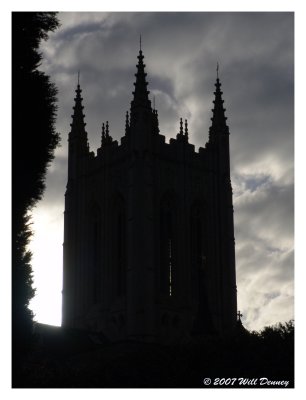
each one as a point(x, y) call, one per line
point(255, 52)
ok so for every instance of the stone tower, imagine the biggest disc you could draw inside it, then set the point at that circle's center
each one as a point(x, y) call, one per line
point(149, 250)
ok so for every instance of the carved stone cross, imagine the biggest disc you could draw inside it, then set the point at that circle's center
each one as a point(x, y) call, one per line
point(239, 315)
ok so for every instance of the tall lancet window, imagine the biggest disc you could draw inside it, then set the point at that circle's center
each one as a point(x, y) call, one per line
point(119, 248)
point(170, 267)
point(167, 248)
point(96, 253)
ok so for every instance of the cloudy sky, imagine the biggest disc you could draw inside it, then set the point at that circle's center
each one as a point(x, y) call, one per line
point(255, 54)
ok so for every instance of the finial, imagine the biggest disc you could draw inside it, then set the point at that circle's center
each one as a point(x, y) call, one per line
point(103, 134)
point(217, 70)
point(153, 102)
point(181, 126)
point(107, 129)
point(140, 42)
point(239, 315)
point(78, 77)
point(186, 128)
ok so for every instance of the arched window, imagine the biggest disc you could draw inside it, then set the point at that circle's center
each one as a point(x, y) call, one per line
point(167, 247)
point(119, 247)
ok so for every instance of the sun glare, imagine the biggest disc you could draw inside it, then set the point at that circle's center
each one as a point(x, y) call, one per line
point(46, 247)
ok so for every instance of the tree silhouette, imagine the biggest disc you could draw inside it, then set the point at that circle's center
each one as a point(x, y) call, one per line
point(33, 142)
point(70, 358)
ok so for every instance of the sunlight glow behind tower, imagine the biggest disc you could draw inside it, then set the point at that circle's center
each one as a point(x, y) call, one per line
point(46, 247)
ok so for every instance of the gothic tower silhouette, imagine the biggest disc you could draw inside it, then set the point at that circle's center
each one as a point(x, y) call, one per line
point(149, 251)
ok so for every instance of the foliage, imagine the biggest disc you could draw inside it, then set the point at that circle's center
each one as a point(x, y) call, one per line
point(33, 142)
point(282, 331)
point(71, 359)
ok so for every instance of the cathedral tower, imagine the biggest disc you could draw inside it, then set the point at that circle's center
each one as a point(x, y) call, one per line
point(149, 250)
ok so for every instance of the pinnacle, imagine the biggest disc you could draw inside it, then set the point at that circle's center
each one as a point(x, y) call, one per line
point(78, 132)
point(218, 119)
point(78, 124)
point(141, 94)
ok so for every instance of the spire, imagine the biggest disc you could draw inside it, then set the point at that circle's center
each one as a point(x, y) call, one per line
point(108, 138)
point(78, 124)
point(186, 129)
point(181, 127)
point(103, 135)
point(107, 130)
point(141, 93)
point(183, 136)
point(218, 125)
